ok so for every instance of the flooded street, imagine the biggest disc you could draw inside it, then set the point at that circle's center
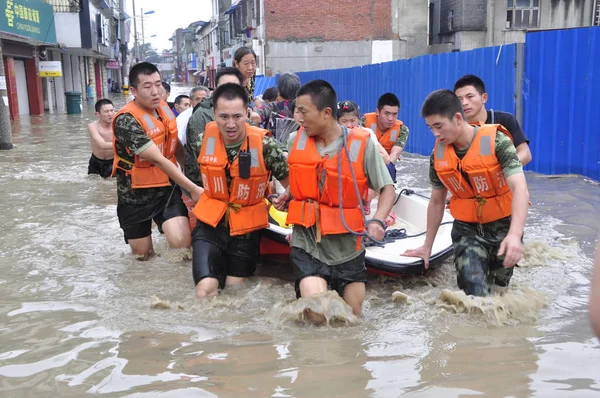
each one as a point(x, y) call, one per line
point(79, 315)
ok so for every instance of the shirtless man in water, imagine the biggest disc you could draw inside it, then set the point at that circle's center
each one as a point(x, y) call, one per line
point(101, 136)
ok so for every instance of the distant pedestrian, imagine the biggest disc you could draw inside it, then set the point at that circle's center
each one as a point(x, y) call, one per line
point(101, 137)
point(277, 116)
point(182, 103)
point(166, 92)
point(90, 91)
point(270, 95)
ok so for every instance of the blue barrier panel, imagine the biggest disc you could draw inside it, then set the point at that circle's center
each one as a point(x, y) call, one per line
point(560, 100)
point(413, 79)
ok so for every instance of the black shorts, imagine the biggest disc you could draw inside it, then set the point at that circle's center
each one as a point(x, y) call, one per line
point(337, 276)
point(217, 255)
point(136, 220)
point(102, 167)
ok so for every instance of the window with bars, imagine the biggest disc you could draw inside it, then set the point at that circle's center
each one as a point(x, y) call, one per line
point(522, 14)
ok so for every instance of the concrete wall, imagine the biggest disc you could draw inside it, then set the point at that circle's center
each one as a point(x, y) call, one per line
point(305, 56)
point(68, 31)
point(565, 13)
point(465, 41)
point(554, 14)
point(410, 19)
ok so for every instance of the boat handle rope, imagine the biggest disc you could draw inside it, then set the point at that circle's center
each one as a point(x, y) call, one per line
point(366, 233)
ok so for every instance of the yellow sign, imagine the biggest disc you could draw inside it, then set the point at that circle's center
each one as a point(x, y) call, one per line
point(50, 74)
point(50, 69)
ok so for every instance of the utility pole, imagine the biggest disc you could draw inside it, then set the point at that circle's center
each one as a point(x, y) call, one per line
point(124, 50)
point(5, 127)
point(143, 39)
point(135, 36)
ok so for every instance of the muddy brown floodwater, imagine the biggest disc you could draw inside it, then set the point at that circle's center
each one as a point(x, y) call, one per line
point(79, 315)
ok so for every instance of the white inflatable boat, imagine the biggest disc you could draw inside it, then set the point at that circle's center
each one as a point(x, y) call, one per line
point(408, 232)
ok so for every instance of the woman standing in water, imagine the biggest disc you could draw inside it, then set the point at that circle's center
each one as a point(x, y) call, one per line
point(244, 59)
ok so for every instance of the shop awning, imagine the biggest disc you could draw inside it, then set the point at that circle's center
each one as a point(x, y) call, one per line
point(233, 7)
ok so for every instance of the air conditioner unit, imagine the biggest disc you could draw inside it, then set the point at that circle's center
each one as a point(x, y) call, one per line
point(507, 24)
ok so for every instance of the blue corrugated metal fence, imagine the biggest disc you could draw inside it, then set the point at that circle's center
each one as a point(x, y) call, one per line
point(413, 79)
point(560, 99)
point(560, 111)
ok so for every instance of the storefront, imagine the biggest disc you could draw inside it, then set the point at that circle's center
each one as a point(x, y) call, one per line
point(26, 29)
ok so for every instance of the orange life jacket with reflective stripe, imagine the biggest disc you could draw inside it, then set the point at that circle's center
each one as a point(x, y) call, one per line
point(245, 198)
point(387, 139)
point(311, 205)
point(162, 132)
point(503, 129)
point(480, 193)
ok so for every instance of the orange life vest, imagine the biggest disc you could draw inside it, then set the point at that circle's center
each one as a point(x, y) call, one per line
point(311, 205)
point(483, 196)
point(387, 139)
point(162, 132)
point(245, 199)
point(503, 129)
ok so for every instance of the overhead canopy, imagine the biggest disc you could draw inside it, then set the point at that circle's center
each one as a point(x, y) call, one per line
point(233, 7)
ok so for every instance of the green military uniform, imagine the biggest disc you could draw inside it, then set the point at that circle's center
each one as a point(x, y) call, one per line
point(275, 161)
point(476, 247)
point(203, 114)
point(132, 140)
point(402, 137)
point(137, 207)
point(216, 254)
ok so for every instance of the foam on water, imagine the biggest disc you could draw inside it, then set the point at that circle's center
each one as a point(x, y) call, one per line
point(503, 307)
point(329, 304)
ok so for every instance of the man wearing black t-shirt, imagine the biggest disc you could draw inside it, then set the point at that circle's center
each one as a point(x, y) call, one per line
point(470, 89)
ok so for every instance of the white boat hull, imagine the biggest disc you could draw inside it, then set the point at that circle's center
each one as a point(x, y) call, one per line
point(411, 212)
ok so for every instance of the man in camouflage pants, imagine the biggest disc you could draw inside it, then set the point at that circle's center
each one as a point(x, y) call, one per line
point(479, 165)
point(223, 252)
point(161, 202)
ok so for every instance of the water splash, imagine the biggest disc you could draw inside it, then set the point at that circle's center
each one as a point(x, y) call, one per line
point(504, 306)
point(330, 304)
point(538, 253)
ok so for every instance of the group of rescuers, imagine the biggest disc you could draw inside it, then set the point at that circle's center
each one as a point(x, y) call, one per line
point(228, 167)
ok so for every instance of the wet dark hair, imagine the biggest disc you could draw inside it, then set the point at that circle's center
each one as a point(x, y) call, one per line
point(229, 70)
point(270, 94)
point(230, 91)
point(470, 80)
point(166, 86)
point(242, 52)
point(180, 98)
point(143, 68)
point(288, 85)
point(321, 93)
point(345, 107)
point(388, 99)
point(442, 102)
point(101, 103)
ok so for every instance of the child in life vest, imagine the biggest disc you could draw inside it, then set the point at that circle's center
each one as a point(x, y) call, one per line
point(348, 115)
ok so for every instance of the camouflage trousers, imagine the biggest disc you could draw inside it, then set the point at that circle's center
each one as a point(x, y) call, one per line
point(476, 256)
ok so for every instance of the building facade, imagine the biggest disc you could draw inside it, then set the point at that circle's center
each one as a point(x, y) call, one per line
point(92, 38)
point(460, 25)
point(27, 31)
point(312, 35)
